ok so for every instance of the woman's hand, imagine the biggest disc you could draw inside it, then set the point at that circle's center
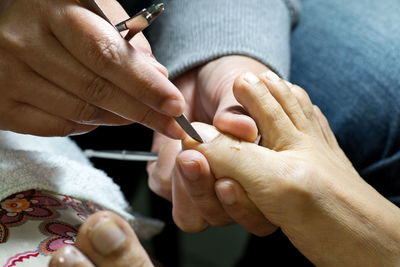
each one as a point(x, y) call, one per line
point(189, 184)
point(300, 179)
point(64, 70)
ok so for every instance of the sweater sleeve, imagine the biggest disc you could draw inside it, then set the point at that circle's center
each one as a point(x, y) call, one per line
point(191, 33)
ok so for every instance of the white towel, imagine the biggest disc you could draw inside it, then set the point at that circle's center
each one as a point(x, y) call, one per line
point(56, 164)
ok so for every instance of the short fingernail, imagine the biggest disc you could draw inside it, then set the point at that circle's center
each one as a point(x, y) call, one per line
point(173, 107)
point(70, 256)
point(250, 78)
point(190, 169)
point(207, 132)
point(270, 75)
point(106, 236)
point(226, 193)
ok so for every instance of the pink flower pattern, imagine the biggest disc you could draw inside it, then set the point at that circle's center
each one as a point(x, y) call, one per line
point(22, 206)
point(61, 234)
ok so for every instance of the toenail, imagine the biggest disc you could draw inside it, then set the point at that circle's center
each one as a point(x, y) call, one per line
point(250, 78)
point(207, 133)
point(270, 75)
point(106, 236)
point(68, 257)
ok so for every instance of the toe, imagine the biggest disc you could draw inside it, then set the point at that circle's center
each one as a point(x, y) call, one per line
point(108, 240)
point(272, 121)
point(281, 92)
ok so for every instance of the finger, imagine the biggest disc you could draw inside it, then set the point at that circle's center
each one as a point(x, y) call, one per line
point(241, 209)
point(160, 171)
point(199, 184)
point(26, 119)
point(69, 256)
point(64, 71)
point(272, 121)
point(284, 96)
point(36, 91)
point(108, 240)
point(184, 212)
point(102, 50)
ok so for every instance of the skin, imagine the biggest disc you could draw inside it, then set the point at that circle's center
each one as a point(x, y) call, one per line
point(298, 178)
point(64, 70)
point(196, 206)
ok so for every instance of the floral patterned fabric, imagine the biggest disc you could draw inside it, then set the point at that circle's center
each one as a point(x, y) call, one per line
point(35, 224)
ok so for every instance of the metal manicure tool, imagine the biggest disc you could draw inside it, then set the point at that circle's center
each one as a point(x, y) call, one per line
point(122, 155)
point(136, 24)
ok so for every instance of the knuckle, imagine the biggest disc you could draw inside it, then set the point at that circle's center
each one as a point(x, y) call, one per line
point(147, 117)
point(105, 52)
point(85, 112)
point(97, 90)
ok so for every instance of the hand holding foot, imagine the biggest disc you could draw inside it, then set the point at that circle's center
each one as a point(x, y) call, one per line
point(301, 180)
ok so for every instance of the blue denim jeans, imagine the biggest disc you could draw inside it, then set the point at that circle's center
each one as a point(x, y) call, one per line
point(346, 54)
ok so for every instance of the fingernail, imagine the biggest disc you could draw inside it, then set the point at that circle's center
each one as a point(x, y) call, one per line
point(190, 169)
point(226, 193)
point(250, 78)
point(173, 107)
point(69, 257)
point(270, 75)
point(207, 132)
point(106, 236)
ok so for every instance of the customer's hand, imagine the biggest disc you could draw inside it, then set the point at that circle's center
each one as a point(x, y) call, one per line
point(190, 186)
point(301, 180)
point(64, 70)
point(105, 239)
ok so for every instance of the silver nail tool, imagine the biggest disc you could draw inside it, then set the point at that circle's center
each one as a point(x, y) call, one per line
point(122, 155)
point(136, 24)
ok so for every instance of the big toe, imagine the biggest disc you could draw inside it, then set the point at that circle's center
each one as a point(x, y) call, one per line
point(108, 240)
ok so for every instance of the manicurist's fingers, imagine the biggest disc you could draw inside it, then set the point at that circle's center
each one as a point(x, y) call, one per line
point(26, 119)
point(241, 209)
point(184, 212)
point(160, 171)
point(199, 184)
point(102, 50)
point(108, 240)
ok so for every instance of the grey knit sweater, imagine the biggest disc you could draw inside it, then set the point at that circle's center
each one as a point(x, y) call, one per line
point(192, 32)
